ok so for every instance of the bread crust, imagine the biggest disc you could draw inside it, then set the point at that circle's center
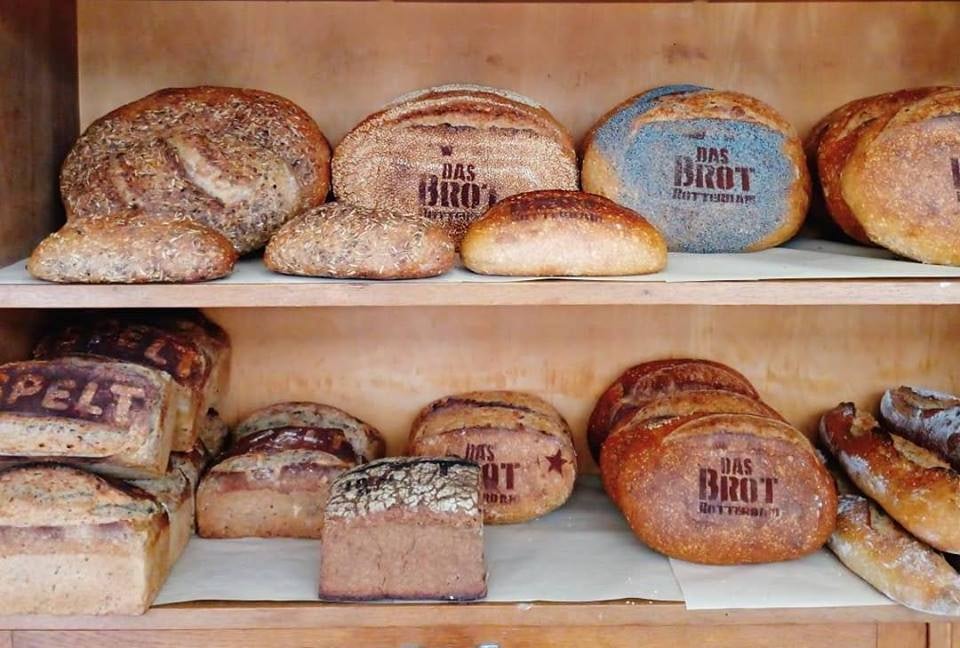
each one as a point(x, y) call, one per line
point(130, 248)
point(913, 485)
point(928, 418)
point(562, 233)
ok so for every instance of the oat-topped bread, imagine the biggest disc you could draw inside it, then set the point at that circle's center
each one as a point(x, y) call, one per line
point(240, 161)
point(404, 528)
point(111, 417)
point(931, 419)
point(132, 248)
point(713, 170)
point(562, 233)
point(345, 241)
point(72, 542)
point(449, 152)
point(888, 166)
point(523, 446)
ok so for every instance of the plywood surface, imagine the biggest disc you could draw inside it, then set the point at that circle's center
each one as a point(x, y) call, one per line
point(343, 60)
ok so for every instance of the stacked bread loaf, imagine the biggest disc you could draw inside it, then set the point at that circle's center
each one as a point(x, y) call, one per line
point(706, 472)
point(126, 397)
point(904, 467)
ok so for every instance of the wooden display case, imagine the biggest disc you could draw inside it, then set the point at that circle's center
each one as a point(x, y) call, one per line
point(383, 350)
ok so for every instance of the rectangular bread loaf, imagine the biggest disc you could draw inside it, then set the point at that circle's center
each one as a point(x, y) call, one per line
point(112, 417)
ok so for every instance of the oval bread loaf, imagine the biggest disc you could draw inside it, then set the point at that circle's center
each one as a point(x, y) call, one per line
point(928, 418)
point(562, 233)
point(714, 171)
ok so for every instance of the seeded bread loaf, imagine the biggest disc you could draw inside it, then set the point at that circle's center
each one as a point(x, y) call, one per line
point(448, 153)
point(714, 171)
point(522, 444)
point(239, 161)
point(72, 542)
point(340, 240)
point(928, 418)
point(132, 249)
point(111, 417)
point(562, 233)
point(404, 528)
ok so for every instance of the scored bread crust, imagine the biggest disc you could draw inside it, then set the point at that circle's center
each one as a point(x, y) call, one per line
point(132, 248)
point(562, 233)
point(654, 379)
point(661, 490)
point(913, 485)
point(346, 241)
point(237, 160)
point(928, 418)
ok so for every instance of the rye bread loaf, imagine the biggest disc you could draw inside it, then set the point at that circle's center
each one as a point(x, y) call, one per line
point(404, 528)
point(727, 489)
point(523, 446)
point(562, 233)
point(931, 419)
point(889, 169)
point(913, 485)
point(714, 171)
point(111, 417)
point(72, 542)
point(239, 161)
point(128, 248)
point(449, 152)
point(344, 241)
point(649, 380)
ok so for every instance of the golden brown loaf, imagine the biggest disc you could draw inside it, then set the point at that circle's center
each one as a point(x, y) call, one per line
point(132, 248)
point(449, 152)
point(562, 233)
point(340, 240)
point(913, 485)
point(239, 161)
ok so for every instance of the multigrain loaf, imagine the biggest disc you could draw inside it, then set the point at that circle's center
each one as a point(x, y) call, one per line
point(931, 419)
point(714, 171)
point(72, 542)
point(404, 528)
point(522, 444)
point(240, 161)
point(562, 233)
point(345, 241)
point(449, 152)
point(132, 248)
point(111, 417)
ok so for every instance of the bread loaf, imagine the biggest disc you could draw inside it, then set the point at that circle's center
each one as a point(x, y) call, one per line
point(241, 162)
point(523, 446)
point(649, 380)
point(928, 418)
point(727, 489)
point(111, 417)
point(340, 240)
point(404, 528)
point(714, 171)
point(213, 434)
point(913, 485)
point(132, 249)
point(562, 233)
point(448, 153)
point(76, 543)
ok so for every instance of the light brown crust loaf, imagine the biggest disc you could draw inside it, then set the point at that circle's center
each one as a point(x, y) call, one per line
point(131, 248)
point(239, 161)
point(450, 152)
point(879, 551)
point(562, 233)
point(913, 485)
point(654, 379)
point(523, 446)
point(727, 489)
point(344, 241)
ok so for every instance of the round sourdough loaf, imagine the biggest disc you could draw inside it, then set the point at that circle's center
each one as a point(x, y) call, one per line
point(522, 444)
point(727, 489)
point(715, 171)
point(239, 161)
point(450, 152)
point(889, 166)
point(340, 240)
point(562, 233)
